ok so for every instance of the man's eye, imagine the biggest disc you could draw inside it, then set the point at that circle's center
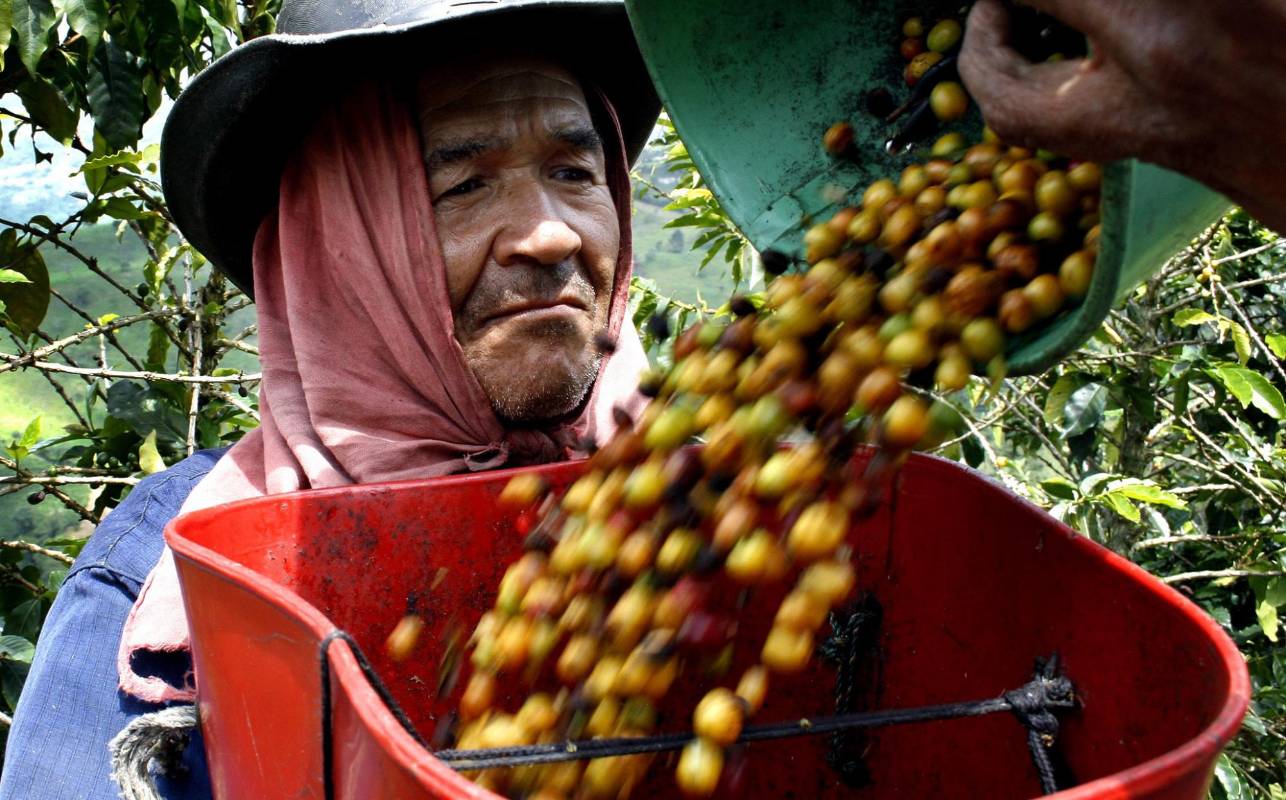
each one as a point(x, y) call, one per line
point(575, 174)
point(461, 189)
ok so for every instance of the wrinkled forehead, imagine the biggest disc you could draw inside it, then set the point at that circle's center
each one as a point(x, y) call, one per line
point(471, 88)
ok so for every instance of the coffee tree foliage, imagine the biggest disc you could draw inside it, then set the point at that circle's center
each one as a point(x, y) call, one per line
point(1160, 439)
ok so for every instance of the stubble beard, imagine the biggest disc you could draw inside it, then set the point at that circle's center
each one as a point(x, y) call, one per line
point(554, 395)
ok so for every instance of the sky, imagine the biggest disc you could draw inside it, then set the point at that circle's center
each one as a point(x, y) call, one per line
point(28, 188)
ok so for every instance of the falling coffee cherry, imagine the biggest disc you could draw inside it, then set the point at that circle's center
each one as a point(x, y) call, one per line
point(605, 343)
point(775, 262)
point(658, 326)
point(36, 498)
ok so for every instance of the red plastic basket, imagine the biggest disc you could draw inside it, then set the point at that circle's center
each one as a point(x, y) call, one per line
point(974, 583)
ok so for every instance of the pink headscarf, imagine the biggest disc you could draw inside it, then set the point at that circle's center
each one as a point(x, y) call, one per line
point(363, 379)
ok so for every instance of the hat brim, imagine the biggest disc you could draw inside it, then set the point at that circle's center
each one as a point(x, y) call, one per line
point(229, 134)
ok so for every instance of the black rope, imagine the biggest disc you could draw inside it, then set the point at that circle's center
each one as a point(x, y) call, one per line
point(327, 734)
point(852, 643)
point(1032, 706)
point(467, 760)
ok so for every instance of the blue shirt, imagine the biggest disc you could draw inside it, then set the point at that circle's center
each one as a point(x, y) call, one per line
point(70, 707)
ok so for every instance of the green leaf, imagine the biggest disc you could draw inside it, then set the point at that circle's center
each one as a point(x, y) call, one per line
point(1241, 341)
point(1084, 409)
point(146, 409)
point(1269, 623)
point(1228, 781)
point(49, 109)
point(6, 27)
point(116, 96)
point(1146, 492)
point(32, 20)
point(25, 304)
point(16, 648)
point(1057, 398)
point(1249, 387)
point(118, 159)
point(88, 18)
point(10, 276)
point(1059, 488)
point(1277, 343)
point(1121, 505)
point(31, 435)
point(149, 459)
point(158, 349)
point(1193, 316)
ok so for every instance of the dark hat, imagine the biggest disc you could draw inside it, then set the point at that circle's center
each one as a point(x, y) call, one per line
point(229, 134)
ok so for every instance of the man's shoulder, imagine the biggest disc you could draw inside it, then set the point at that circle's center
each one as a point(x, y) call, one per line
point(128, 542)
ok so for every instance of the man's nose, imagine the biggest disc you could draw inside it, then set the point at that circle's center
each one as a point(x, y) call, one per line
point(534, 231)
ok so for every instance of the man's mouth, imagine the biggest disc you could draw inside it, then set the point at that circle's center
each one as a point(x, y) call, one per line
point(560, 306)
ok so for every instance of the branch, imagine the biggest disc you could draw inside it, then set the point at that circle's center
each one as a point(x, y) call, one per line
point(63, 497)
point(68, 480)
point(240, 377)
point(31, 356)
point(38, 550)
point(1212, 574)
point(111, 337)
point(233, 400)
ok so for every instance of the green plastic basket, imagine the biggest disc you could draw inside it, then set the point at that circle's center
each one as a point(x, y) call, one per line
point(752, 84)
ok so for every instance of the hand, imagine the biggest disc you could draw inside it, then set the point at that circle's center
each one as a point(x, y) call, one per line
point(1197, 86)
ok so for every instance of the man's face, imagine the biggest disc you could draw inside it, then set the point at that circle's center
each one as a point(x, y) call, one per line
point(527, 226)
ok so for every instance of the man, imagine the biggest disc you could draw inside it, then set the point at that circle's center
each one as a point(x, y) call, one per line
point(440, 268)
point(1192, 85)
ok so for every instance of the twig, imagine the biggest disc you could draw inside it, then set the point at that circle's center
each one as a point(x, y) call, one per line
point(195, 342)
point(62, 344)
point(237, 344)
point(38, 550)
point(68, 480)
point(1162, 541)
point(62, 496)
point(233, 400)
point(1251, 331)
point(1212, 574)
point(240, 377)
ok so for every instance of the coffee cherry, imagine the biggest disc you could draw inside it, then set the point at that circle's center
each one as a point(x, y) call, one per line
point(787, 651)
point(774, 262)
point(801, 610)
point(658, 326)
point(949, 101)
point(700, 765)
point(944, 36)
point(1016, 313)
point(1045, 227)
point(865, 226)
point(911, 47)
point(914, 26)
point(522, 491)
point(983, 340)
point(818, 531)
point(1085, 177)
point(1018, 262)
point(671, 430)
point(37, 497)
point(838, 138)
point(878, 194)
point(912, 349)
point(920, 65)
point(878, 390)
point(1054, 194)
point(754, 558)
point(1045, 296)
point(718, 717)
point(952, 374)
point(972, 291)
point(1076, 273)
point(821, 241)
point(404, 637)
point(905, 423)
